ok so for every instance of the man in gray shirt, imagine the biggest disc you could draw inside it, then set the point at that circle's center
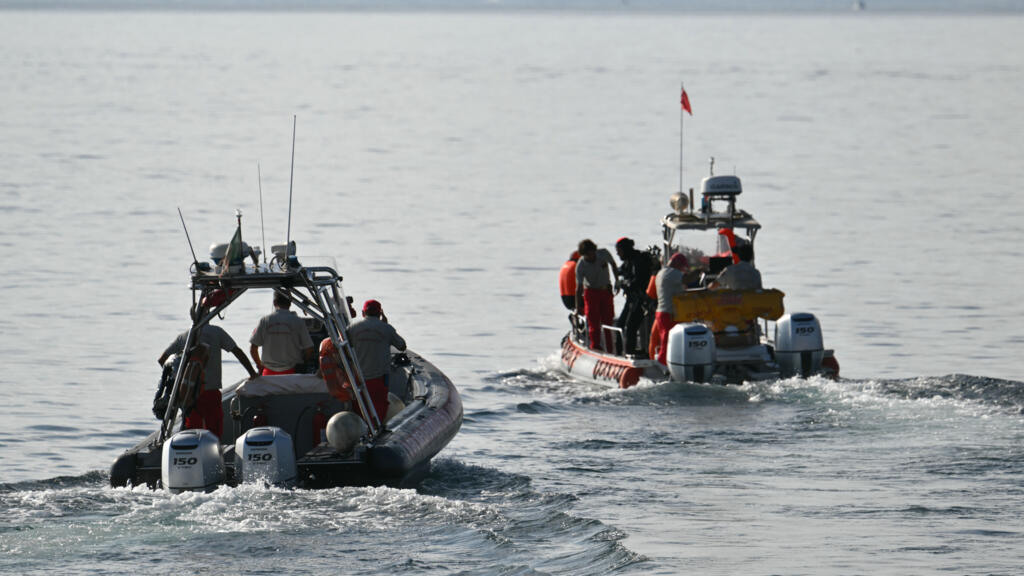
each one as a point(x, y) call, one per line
point(669, 282)
point(372, 338)
point(284, 337)
point(594, 295)
point(207, 412)
point(741, 275)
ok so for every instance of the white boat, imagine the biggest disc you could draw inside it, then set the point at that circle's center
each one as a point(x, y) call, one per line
point(295, 430)
point(721, 336)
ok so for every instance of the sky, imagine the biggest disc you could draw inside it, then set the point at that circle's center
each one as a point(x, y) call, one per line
point(616, 5)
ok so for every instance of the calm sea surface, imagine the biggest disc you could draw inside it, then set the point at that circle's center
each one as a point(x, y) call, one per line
point(447, 164)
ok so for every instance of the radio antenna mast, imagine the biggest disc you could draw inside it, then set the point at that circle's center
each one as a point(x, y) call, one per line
point(291, 180)
point(263, 230)
point(194, 259)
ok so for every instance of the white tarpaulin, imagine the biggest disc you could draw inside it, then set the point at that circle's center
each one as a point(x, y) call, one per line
point(282, 385)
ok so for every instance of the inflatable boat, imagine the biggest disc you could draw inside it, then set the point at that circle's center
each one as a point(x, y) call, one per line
point(720, 335)
point(307, 430)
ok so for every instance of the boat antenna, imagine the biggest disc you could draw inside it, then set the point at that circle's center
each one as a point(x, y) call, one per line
point(194, 259)
point(291, 180)
point(263, 230)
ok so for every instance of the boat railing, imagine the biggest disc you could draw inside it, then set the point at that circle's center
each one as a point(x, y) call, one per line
point(171, 412)
point(329, 300)
point(613, 334)
point(321, 299)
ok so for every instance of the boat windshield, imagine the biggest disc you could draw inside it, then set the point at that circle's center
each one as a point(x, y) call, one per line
point(700, 247)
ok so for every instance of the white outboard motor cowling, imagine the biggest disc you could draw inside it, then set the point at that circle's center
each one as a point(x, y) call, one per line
point(691, 353)
point(265, 454)
point(799, 347)
point(192, 460)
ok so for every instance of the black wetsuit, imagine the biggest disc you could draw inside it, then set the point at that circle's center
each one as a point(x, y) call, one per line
point(634, 275)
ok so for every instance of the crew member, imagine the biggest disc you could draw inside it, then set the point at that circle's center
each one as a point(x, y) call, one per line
point(742, 275)
point(207, 413)
point(669, 282)
point(284, 337)
point(594, 290)
point(372, 338)
point(634, 275)
point(567, 280)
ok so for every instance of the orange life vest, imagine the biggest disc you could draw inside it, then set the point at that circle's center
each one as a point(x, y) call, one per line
point(333, 372)
point(731, 237)
point(567, 278)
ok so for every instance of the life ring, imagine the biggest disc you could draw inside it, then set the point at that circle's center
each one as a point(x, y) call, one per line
point(333, 372)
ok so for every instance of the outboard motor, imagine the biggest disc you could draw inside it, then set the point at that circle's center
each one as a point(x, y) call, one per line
point(192, 460)
point(799, 347)
point(265, 454)
point(691, 352)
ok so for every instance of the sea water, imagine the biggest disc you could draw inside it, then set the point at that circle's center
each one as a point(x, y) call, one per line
point(447, 164)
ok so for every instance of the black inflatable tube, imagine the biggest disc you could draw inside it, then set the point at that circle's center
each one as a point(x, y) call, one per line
point(421, 433)
point(122, 472)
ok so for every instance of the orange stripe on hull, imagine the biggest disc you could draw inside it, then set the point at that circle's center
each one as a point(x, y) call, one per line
point(606, 368)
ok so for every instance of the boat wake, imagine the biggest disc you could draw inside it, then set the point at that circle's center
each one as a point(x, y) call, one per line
point(464, 518)
point(976, 393)
point(526, 522)
point(1006, 394)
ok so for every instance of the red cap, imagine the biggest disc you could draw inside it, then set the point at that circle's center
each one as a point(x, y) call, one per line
point(677, 261)
point(575, 255)
point(372, 307)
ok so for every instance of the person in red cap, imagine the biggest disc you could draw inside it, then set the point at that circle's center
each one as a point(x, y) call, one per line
point(594, 291)
point(669, 282)
point(567, 280)
point(372, 339)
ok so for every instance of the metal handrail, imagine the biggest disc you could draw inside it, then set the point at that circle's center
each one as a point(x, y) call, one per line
point(580, 332)
point(339, 336)
point(604, 342)
point(324, 302)
point(171, 413)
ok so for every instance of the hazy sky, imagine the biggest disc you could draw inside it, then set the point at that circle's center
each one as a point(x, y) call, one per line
point(702, 5)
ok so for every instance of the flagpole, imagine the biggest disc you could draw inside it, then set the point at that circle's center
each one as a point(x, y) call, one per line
point(684, 102)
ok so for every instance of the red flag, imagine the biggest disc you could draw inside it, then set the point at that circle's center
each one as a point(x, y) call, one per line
point(686, 102)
